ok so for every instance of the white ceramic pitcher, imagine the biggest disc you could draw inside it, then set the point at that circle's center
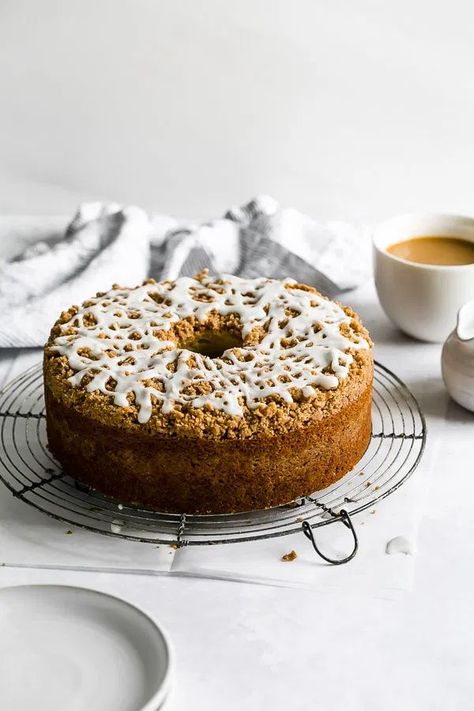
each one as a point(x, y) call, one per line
point(457, 359)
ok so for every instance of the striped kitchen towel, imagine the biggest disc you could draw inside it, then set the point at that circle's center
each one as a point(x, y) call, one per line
point(109, 243)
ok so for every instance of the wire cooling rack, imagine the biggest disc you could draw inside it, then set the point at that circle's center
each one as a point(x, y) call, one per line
point(32, 474)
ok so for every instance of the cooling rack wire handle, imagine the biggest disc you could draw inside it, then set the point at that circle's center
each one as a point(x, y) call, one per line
point(346, 520)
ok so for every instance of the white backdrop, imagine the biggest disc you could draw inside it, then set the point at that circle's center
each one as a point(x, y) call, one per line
point(343, 109)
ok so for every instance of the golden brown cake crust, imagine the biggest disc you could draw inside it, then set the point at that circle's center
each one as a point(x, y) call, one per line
point(203, 460)
point(209, 476)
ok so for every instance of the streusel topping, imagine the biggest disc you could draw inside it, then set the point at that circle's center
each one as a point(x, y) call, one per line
point(281, 340)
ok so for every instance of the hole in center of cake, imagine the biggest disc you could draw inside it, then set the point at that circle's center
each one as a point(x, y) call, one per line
point(213, 343)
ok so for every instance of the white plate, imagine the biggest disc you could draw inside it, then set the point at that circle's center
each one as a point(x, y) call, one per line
point(71, 649)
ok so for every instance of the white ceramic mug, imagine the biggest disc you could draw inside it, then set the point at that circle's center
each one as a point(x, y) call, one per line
point(422, 299)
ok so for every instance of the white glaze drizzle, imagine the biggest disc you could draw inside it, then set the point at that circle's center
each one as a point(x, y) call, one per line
point(400, 544)
point(293, 353)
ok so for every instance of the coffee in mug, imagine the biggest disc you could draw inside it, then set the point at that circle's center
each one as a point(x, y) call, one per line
point(424, 271)
point(447, 251)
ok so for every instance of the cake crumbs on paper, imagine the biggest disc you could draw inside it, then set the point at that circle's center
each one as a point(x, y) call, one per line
point(368, 483)
point(300, 519)
point(289, 556)
point(373, 511)
point(68, 532)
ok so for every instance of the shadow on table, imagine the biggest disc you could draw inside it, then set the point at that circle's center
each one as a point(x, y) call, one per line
point(456, 413)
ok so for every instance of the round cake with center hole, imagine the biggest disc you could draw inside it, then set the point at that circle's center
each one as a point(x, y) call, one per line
point(208, 395)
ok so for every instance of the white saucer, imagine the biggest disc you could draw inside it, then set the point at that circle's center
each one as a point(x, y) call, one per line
point(71, 649)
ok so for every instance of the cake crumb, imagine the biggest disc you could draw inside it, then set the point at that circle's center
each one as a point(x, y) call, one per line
point(68, 532)
point(290, 556)
point(300, 519)
point(174, 546)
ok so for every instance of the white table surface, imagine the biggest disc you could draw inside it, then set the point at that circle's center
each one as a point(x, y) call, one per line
point(245, 646)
